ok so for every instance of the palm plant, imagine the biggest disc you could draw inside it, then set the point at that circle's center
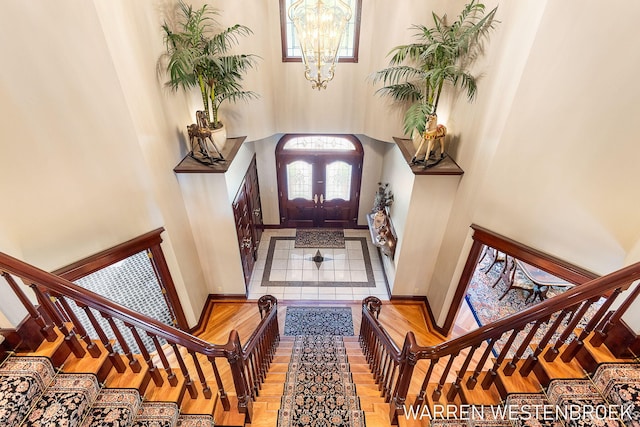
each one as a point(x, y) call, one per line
point(198, 55)
point(443, 53)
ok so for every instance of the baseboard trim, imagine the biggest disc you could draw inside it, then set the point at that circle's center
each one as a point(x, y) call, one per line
point(427, 312)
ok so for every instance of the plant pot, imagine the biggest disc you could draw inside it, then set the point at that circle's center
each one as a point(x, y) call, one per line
point(219, 137)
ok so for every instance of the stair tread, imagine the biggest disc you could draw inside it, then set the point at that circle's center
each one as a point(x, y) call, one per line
point(516, 382)
point(561, 369)
point(129, 379)
point(166, 392)
point(231, 417)
point(199, 405)
point(86, 363)
point(477, 395)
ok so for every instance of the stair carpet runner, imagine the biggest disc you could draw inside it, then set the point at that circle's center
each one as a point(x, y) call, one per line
point(33, 394)
point(611, 397)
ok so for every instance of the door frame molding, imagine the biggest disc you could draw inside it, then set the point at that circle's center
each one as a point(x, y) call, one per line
point(280, 153)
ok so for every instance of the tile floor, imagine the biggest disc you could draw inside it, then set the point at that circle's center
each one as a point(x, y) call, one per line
point(291, 264)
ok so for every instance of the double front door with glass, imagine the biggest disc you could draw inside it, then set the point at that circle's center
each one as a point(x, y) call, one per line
point(319, 190)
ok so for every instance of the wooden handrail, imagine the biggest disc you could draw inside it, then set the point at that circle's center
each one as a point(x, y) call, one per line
point(597, 287)
point(31, 274)
point(257, 351)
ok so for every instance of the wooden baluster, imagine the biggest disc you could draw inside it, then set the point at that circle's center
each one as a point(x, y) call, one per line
point(601, 334)
point(443, 378)
point(575, 345)
point(377, 360)
point(134, 363)
point(251, 376)
point(390, 381)
point(552, 352)
point(191, 387)
point(206, 390)
point(223, 394)
point(491, 374)
point(380, 379)
point(473, 379)
point(511, 366)
point(455, 388)
point(153, 372)
point(91, 346)
point(383, 381)
point(47, 329)
point(531, 361)
point(70, 337)
point(115, 358)
point(425, 382)
point(171, 376)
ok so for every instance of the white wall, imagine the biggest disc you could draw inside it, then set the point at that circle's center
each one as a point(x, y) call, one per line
point(562, 178)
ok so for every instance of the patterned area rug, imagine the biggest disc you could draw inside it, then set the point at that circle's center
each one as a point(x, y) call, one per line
point(319, 238)
point(484, 300)
point(318, 321)
point(319, 390)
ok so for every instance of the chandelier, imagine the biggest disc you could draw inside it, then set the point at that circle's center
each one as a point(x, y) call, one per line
point(319, 25)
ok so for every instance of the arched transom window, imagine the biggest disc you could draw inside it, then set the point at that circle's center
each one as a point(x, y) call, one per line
point(334, 143)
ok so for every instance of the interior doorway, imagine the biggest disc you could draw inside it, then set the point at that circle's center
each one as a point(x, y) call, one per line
point(319, 180)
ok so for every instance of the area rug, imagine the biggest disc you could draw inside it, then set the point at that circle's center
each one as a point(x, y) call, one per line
point(329, 321)
point(319, 390)
point(319, 238)
point(485, 304)
point(321, 258)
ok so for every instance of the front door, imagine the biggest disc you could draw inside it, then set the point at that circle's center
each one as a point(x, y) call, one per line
point(319, 180)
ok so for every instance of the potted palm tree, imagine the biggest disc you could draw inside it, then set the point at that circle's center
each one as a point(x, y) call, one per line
point(441, 54)
point(198, 54)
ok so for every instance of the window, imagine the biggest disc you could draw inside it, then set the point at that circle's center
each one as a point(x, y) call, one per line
point(299, 179)
point(317, 142)
point(348, 47)
point(338, 177)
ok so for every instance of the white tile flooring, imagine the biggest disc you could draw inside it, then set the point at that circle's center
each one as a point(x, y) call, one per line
point(291, 264)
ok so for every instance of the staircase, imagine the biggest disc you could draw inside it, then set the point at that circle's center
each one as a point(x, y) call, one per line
point(99, 396)
point(189, 381)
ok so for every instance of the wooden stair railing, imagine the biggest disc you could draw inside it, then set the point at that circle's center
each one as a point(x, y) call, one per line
point(248, 364)
point(394, 367)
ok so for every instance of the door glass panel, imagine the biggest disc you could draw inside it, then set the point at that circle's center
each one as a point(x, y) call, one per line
point(299, 175)
point(338, 181)
point(319, 143)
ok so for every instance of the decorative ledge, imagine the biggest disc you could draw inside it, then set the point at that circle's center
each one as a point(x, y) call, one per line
point(231, 147)
point(447, 166)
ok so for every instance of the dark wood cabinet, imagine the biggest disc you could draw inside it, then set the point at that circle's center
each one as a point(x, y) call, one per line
point(247, 212)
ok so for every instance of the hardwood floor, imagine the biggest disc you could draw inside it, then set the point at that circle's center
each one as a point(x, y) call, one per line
point(397, 317)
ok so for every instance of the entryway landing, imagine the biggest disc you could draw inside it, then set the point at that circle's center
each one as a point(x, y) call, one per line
point(286, 272)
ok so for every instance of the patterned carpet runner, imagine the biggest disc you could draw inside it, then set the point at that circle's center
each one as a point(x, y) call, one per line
point(33, 394)
point(319, 390)
point(319, 238)
point(318, 321)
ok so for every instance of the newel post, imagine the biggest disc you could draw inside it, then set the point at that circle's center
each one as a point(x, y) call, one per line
point(236, 363)
point(407, 363)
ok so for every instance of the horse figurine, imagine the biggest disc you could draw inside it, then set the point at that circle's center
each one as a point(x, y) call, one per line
point(201, 141)
point(433, 133)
